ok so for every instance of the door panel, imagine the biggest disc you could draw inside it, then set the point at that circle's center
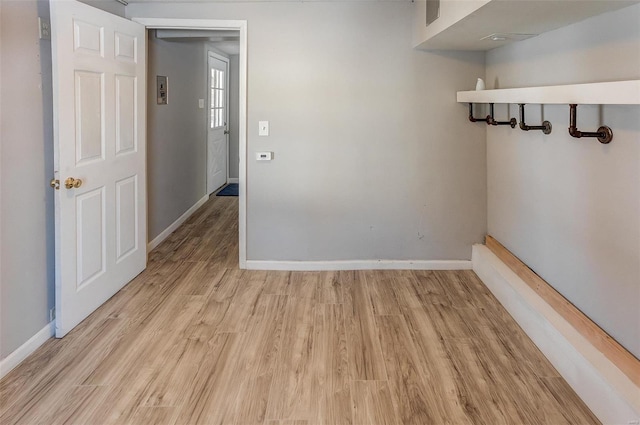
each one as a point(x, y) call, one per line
point(99, 139)
point(125, 48)
point(88, 38)
point(126, 223)
point(89, 116)
point(90, 210)
point(125, 114)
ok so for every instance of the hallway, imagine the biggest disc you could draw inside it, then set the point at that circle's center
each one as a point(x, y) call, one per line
point(193, 339)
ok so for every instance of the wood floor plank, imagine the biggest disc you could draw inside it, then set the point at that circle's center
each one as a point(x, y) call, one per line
point(226, 287)
point(365, 354)
point(429, 287)
point(413, 402)
point(476, 387)
point(207, 320)
point(212, 395)
point(439, 371)
point(277, 283)
point(199, 278)
point(63, 375)
point(175, 373)
point(121, 402)
point(450, 322)
point(372, 404)
point(153, 415)
point(305, 285)
point(405, 293)
point(290, 395)
point(575, 412)
point(195, 340)
point(261, 348)
point(379, 286)
point(331, 291)
point(75, 406)
point(142, 342)
point(331, 390)
point(243, 304)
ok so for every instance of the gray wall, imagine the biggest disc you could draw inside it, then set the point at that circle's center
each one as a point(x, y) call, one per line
point(570, 208)
point(234, 125)
point(176, 133)
point(26, 220)
point(374, 159)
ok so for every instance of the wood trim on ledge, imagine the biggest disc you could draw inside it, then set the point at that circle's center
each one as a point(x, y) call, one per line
point(609, 347)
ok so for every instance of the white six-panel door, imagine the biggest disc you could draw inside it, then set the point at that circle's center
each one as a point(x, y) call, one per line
point(99, 136)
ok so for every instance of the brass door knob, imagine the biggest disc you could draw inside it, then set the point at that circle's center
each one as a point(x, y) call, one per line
point(71, 183)
point(55, 183)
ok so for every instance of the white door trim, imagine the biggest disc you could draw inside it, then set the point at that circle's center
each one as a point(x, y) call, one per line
point(241, 26)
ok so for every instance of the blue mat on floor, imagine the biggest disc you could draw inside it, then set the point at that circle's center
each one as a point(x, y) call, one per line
point(229, 190)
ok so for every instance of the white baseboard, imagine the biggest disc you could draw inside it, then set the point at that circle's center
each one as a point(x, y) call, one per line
point(14, 359)
point(169, 230)
point(233, 180)
point(359, 265)
point(608, 392)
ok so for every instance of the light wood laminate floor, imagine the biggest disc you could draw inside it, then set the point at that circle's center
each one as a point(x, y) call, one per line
point(194, 339)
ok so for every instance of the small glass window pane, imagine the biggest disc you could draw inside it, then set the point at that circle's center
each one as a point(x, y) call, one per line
point(217, 96)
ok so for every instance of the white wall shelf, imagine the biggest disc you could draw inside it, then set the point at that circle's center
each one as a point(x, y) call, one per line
point(465, 25)
point(607, 93)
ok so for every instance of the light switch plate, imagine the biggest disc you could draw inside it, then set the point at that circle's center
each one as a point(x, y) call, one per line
point(162, 89)
point(263, 128)
point(201, 103)
point(264, 156)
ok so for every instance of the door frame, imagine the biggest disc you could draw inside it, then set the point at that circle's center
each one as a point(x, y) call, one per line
point(241, 26)
point(210, 52)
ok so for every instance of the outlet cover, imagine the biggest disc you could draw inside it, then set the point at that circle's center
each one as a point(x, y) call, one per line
point(44, 28)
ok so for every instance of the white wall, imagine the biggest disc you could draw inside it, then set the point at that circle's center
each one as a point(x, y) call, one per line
point(373, 156)
point(176, 133)
point(570, 208)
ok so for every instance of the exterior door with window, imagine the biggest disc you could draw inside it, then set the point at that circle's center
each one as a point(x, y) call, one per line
point(217, 134)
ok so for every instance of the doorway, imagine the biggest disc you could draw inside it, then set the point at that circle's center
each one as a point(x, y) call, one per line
point(241, 28)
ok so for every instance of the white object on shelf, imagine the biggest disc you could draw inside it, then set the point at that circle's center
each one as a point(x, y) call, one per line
point(607, 93)
point(480, 84)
